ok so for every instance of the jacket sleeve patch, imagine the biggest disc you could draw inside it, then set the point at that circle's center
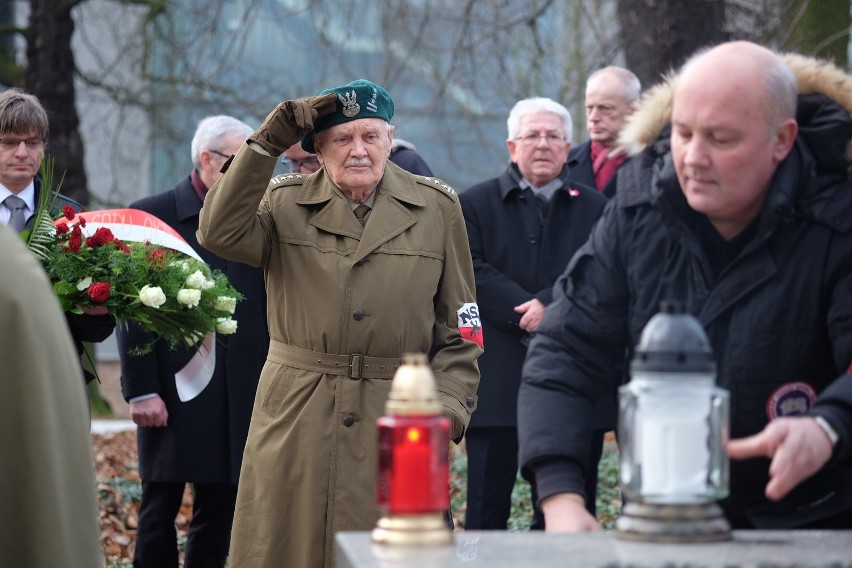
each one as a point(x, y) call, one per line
point(469, 324)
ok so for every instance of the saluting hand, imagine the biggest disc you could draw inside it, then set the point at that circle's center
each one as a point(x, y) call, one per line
point(290, 121)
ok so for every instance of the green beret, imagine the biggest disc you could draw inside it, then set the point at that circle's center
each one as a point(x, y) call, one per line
point(358, 99)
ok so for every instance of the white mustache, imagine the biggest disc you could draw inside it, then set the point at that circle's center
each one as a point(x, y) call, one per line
point(358, 162)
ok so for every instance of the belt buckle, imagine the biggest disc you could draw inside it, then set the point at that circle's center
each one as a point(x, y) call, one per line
point(356, 366)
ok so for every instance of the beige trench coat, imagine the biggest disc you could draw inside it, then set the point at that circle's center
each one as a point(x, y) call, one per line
point(48, 503)
point(393, 287)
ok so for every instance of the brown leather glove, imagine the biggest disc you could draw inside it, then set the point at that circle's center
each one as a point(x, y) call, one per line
point(290, 121)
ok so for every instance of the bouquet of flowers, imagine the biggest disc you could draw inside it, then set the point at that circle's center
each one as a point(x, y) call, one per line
point(171, 293)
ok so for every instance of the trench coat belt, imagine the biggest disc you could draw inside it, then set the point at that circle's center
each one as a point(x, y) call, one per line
point(354, 365)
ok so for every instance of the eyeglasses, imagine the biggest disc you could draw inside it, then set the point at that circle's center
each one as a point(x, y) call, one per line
point(218, 153)
point(532, 138)
point(12, 144)
point(311, 164)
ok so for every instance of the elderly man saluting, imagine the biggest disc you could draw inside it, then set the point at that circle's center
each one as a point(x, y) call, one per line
point(363, 262)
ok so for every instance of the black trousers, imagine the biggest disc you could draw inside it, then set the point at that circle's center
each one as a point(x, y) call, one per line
point(209, 530)
point(492, 467)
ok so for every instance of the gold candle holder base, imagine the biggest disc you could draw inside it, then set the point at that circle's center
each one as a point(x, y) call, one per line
point(428, 529)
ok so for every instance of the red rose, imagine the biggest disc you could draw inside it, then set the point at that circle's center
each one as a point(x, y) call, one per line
point(99, 291)
point(69, 212)
point(62, 228)
point(101, 237)
point(75, 241)
point(104, 235)
point(157, 257)
point(82, 222)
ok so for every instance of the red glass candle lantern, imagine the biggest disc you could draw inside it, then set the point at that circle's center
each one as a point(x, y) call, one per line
point(413, 479)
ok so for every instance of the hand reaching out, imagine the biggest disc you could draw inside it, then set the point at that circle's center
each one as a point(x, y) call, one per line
point(798, 447)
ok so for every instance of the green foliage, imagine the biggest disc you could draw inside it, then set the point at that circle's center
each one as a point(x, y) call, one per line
point(520, 516)
point(40, 238)
point(128, 490)
point(458, 481)
point(609, 494)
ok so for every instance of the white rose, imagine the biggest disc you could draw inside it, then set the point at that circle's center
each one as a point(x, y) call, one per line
point(189, 297)
point(153, 297)
point(196, 280)
point(181, 264)
point(86, 282)
point(225, 304)
point(226, 326)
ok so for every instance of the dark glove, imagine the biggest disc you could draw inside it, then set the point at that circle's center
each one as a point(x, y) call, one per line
point(290, 121)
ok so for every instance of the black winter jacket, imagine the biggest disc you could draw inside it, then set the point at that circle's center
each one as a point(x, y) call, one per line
point(779, 317)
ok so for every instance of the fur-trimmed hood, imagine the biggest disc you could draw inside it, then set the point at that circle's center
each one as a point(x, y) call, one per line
point(814, 76)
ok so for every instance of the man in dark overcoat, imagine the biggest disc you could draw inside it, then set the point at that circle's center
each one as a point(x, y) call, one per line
point(611, 94)
point(200, 440)
point(523, 228)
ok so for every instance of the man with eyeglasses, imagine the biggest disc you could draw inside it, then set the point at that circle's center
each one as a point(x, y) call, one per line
point(298, 161)
point(523, 228)
point(200, 440)
point(23, 138)
point(611, 94)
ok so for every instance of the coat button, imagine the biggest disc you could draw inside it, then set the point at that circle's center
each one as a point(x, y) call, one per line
point(358, 315)
point(348, 421)
point(533, 239)
point(469, 400)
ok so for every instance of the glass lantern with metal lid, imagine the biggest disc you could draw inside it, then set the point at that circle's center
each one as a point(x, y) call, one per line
point(673, 425)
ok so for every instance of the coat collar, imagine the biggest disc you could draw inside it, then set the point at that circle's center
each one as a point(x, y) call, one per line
point(187, 204)
point(510, 179)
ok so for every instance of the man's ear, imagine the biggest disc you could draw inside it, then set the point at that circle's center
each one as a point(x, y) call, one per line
point(512, 146)
point(785, 136)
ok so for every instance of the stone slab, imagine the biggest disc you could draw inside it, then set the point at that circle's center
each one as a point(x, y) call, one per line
point(495, 549)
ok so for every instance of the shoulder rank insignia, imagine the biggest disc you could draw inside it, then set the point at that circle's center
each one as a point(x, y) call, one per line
point(442, 185)
point(286, 177)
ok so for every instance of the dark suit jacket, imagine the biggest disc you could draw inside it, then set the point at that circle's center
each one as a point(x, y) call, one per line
point(408, 159)
point(517, 258)
point(580, 168)
point(205, 436)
